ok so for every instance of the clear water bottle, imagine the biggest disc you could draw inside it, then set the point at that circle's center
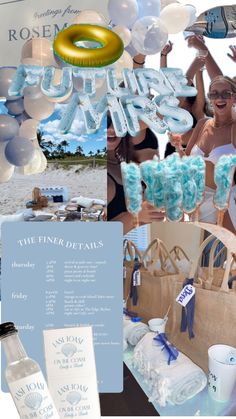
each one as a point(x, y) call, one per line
point(218, 22)
point(25, 379)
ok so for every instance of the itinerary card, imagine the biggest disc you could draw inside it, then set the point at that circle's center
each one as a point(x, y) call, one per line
point(57, 275)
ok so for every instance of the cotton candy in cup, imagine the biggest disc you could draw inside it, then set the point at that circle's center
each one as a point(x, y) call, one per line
point(175, 17)
point(149, 8)
point(149, 35)
point(15, 107)
point(9, 128)
point(19, 151)
point(123, 12)
point(222, 374)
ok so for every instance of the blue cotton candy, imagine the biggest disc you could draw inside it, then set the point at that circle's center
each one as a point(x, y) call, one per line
point(223, 179)
point(198, 166)
point(158, 192)
point(132, 186)
point(189, 186)
point(173, 194)
point(147, 169)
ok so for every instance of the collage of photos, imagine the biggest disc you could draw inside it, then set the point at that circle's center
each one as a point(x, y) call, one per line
point(122, 113)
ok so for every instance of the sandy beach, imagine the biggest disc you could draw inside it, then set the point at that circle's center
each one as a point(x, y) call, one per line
point(80, 180)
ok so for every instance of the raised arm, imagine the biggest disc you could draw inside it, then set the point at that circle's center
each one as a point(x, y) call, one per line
point(166, 50)
point(212, 67)
point(199, 104)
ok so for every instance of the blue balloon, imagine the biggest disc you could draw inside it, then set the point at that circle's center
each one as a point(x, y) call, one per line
point(9, 128)
point(19, 151)
point(149, 8)
point(15, 107)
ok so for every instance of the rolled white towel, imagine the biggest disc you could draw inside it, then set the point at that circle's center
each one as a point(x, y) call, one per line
point(134, 332)
point(125, 345)
point(174, 383)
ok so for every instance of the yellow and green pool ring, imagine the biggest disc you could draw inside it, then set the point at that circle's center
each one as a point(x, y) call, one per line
point(111, 49)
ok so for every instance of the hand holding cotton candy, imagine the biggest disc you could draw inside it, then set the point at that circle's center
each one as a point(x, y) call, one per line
point(132, 187)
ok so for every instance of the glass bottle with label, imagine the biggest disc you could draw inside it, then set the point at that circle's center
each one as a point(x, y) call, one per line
point(25, 379)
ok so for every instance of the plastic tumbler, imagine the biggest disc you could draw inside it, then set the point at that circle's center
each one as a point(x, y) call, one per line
point(222, 373)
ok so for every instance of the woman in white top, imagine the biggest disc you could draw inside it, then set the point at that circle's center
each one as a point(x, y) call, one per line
point(212, 138)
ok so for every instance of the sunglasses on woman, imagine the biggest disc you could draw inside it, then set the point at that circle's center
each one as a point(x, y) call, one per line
point(226, 94)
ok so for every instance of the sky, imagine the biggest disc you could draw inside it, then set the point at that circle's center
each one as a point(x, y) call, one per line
point(76, 136)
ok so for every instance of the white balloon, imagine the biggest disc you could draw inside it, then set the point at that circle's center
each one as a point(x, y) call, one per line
point(175, 17)
point(28, 129)
point(149, 35)
point(92, 17)
point(123, 12)
point(6, 169)
point(34, 165)
point(192, 12)
point(32, 92)
point(125, 61)
point(37, 105)
point(38, 51)
point(165, 3)
point(124, 33)
point(44, 163)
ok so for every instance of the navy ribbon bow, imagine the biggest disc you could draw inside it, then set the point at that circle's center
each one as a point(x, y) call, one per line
point(188, 313)
point(170, 349)
point(133, 289)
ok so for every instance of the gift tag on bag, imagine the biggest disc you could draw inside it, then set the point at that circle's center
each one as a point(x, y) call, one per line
point(185, 295)
point(137, 278)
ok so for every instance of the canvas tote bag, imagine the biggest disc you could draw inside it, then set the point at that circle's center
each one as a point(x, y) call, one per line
point(155, 291)
point(131, 253)
point(214, 319)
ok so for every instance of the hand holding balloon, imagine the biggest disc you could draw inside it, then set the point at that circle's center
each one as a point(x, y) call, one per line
point(197, 41)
